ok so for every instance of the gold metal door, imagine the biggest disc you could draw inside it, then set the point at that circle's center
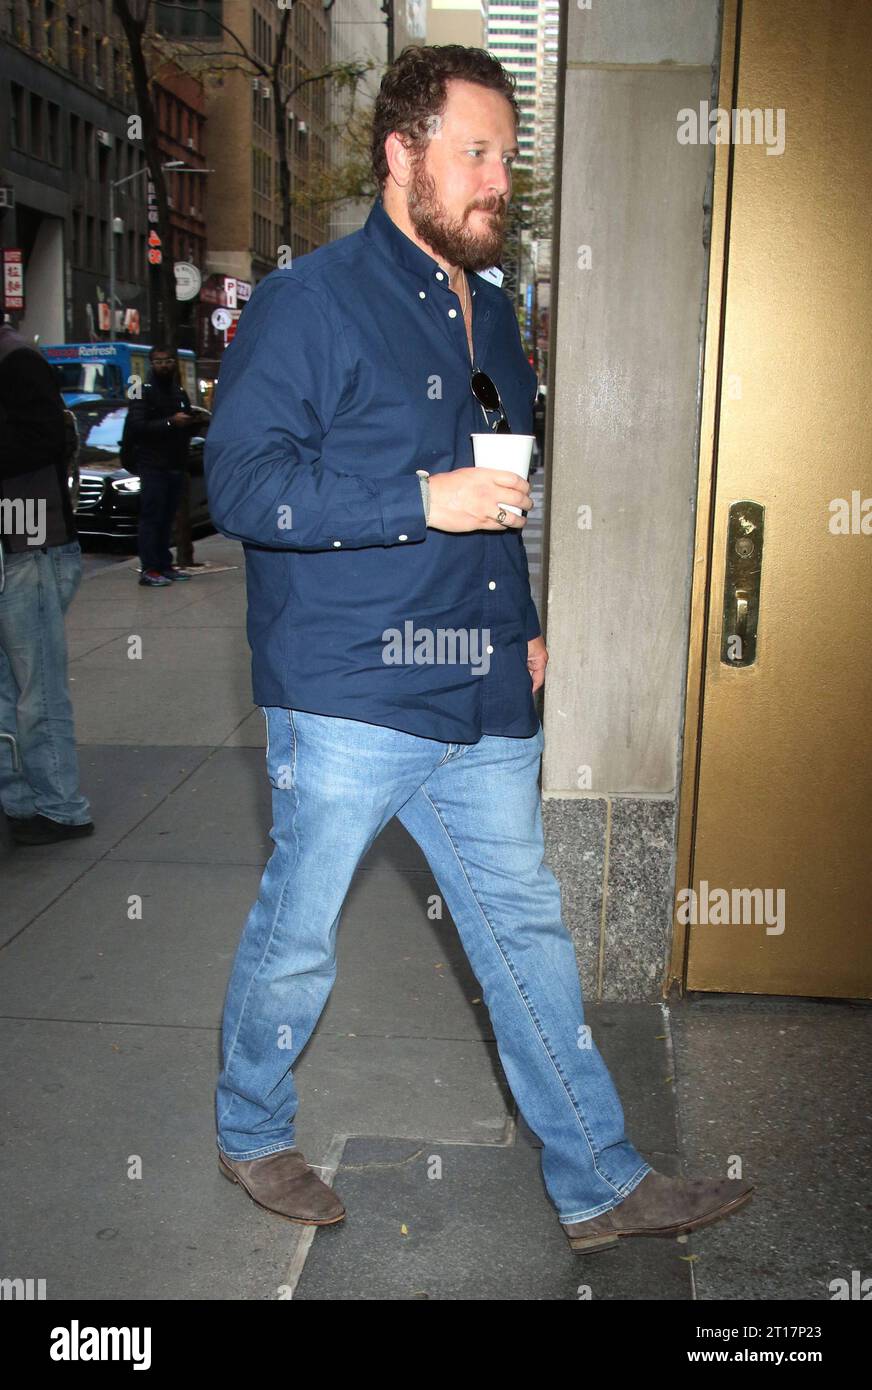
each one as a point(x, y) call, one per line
point(777, 774)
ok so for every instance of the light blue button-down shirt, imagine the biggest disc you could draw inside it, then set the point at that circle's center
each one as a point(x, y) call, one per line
point(349, 372)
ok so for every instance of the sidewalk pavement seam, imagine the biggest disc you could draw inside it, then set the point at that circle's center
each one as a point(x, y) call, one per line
point(333, 1162)
point(216, 1028)
point(666, 1014)
point(304, 1243)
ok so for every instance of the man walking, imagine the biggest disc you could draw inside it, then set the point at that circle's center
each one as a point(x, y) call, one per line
point(339, 453)
point(160, 424)
point(40, 571)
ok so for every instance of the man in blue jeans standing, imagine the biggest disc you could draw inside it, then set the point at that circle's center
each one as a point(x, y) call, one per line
point(40, 570)
point(396, 648)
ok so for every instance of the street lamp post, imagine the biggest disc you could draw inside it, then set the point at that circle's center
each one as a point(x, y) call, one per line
point(177, 164)
point(113, 184)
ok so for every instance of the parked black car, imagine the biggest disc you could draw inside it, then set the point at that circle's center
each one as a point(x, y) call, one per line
point(108, 498)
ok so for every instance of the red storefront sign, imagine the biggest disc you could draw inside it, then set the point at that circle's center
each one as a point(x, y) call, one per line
point(13, 279)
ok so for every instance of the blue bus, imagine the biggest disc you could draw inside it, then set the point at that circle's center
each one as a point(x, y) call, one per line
point(102, 371)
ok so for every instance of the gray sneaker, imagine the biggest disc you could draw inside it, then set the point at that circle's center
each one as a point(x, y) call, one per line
point(660, 1206)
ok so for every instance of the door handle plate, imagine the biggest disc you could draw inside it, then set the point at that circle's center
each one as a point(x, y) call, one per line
point(742, 569)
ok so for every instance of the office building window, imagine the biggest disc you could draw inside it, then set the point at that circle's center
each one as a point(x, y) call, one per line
point(73, 59)
point(16, 116)
point(189, 18)
point(37, 133)
point(51, 30)
point(54, 134)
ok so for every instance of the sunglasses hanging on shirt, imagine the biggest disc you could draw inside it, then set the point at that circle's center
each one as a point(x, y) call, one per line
point(488, 398)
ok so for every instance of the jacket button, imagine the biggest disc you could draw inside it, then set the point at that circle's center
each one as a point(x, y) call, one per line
point(402, 538)
point(491, 584)
point(422, 294)
point(488, 649)
point(337, 543)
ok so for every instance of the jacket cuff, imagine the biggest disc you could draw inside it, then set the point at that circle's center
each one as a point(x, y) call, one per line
point(403, 518)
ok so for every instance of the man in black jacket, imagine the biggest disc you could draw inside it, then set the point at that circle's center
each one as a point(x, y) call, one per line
point(161, 424)
point(40, 570)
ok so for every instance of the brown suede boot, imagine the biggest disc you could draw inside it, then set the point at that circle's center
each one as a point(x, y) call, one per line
point(284, 1184)
point(660, 1206)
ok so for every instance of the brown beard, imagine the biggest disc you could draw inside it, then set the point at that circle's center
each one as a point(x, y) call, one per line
point(453, 240)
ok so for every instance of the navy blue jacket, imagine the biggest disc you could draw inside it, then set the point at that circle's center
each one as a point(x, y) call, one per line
point(348, 372)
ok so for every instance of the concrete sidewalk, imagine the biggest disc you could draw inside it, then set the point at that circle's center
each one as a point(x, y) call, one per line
point(110, 1031)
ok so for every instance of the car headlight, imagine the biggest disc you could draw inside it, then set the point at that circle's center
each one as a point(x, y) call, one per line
point(126, 484)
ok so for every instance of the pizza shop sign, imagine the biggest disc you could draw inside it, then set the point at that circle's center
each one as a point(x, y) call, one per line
point(226, 291)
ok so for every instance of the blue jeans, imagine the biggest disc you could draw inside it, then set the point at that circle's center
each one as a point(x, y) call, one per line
point(35, 703)
point(475, 811)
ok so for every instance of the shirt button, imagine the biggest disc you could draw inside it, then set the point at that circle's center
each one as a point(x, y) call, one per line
point(491, 584)
point(452, 313)
point(337, 542)
point(439, 275)
point(403, 538)
point(488, 649)
point(421, 294)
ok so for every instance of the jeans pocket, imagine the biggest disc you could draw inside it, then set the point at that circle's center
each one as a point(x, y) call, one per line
point(281, 747)
point(66, 563)
point(19, 571)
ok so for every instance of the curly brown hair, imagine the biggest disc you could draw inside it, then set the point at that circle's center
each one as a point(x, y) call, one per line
point(414, 90)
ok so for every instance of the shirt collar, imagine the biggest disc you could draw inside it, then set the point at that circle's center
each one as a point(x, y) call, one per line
point(384, 233)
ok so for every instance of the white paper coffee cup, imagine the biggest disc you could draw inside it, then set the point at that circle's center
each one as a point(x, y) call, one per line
point(509, 453)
